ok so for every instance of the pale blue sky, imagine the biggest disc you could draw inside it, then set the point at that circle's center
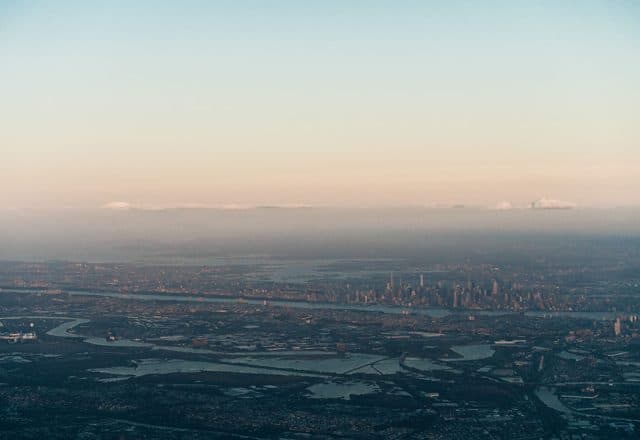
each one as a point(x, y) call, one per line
point(332, 102)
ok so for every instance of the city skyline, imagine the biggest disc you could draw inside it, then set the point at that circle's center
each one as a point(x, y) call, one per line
point(284, 219)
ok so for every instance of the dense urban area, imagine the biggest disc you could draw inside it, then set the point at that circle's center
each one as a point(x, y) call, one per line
point(331, 349)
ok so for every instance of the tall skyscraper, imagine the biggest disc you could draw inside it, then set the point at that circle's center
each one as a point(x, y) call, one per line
point(617, 327)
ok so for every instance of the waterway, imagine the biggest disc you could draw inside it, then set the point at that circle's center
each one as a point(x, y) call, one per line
point(146, 367)
point(471, 352)
point(432, 312)
point(380, 308)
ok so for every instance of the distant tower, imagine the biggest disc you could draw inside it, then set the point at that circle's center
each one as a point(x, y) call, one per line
point(391, 281)
point(495, 289)
point(617, 327)
point(541, 363)
point(422, 280)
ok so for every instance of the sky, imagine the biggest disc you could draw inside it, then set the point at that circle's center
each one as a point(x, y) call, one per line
point(332, 103)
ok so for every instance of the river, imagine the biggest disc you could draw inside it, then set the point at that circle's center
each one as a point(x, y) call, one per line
point(379, 308)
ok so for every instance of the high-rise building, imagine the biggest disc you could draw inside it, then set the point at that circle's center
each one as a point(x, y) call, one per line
point(422, 280)
point(617, 327)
